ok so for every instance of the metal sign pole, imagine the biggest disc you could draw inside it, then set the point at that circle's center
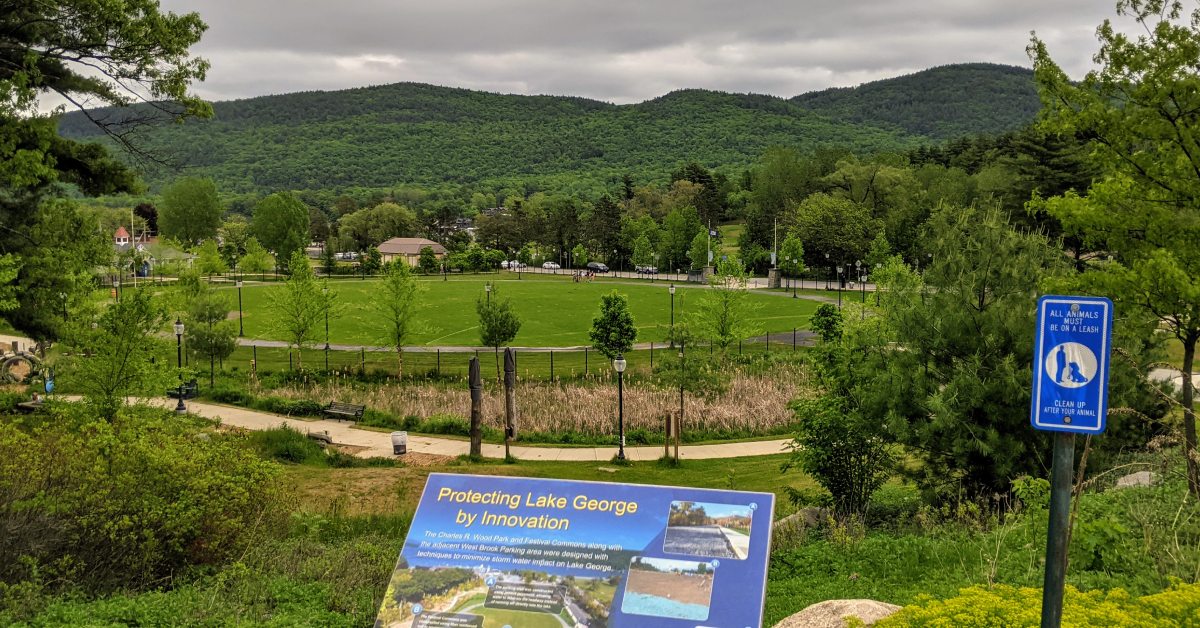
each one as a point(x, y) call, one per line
point(1070, 396)
point(1061, 480)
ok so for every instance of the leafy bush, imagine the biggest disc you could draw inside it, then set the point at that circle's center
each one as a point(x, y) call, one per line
point(125, 504)
point(1008, 606)
point(289, 407)
point(841, 451)
point(230, 395)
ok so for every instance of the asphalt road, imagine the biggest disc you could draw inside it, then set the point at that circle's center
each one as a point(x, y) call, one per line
point(706, 541)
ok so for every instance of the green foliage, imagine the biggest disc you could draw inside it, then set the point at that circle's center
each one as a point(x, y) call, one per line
point(210, 335)
point(832, 225)
point(579, 256)
point(115, 354)
point(300, 306)
point(370, 227)
point(498, 323)
point(699, 250)
point(1141, 107)
point(285, 444)
point(371, 261)
point(9, 267)
point(1003, 605)
point(842, 451)
point(396, 306)
point(427, 261)
point(357, 137)
point(942, 102)
point(281, 225)
point(723, 314)
point(190, 210)
point(827, 322)
point(613, 332)
point(125, 504)
point(210, 261)
point(791, 256)
point(57, 248)
point(256, 259)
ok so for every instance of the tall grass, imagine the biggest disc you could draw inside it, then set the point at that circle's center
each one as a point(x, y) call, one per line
point(751, 403)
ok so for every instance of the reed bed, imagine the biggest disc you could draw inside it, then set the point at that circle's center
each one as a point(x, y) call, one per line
point(750, 403)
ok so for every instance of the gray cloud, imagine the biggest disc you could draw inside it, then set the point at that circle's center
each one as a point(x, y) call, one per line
point(620, 50)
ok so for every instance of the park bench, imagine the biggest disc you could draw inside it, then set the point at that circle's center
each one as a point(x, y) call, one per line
point(341, 410)
point(190, 389)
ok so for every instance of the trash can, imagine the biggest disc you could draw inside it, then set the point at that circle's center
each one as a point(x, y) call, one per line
point(399, 443)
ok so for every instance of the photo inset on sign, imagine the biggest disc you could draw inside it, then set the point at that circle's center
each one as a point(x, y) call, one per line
point(662, 587)
point(707, 529)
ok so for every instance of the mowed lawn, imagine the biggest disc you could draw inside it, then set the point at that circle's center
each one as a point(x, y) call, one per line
point(553, 311)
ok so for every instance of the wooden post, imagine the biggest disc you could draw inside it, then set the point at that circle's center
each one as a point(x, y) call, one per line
point(510, 399)
point(552, 365)
point(585, 361)
point(439, 362)
point(651, 357)
point(476, 384)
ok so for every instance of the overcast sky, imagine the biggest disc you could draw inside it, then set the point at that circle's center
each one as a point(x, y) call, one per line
point(620, 50)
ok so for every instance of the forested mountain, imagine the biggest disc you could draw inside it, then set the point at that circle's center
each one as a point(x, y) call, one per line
point(942, 103)
point(409, 133)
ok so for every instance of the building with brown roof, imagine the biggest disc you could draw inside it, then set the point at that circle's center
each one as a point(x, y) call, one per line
point(409, 249)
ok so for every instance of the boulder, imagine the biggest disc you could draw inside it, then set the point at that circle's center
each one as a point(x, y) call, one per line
point(833, 614)
point(1141, 478)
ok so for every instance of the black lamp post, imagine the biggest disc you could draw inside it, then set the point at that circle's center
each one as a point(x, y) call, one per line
point(179, 407)
point(241, 329)
point(619, 365)
point(117, 288)
point(839, 283)
point(827, 278)
point(487, 287)
point(671, 289)
point(792, 261)
point(63, 296)
point(325, 292)
point(858, 271)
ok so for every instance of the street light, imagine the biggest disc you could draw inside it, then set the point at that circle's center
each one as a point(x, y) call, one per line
point(325, 292)
point(63, 296)
point(839, 283)
point(488, 288)
point(827, 277)
point(241, 329)
point(671, 289)
point(792, 261)
point(859, 272)
point(619, 366)
point(179, 407)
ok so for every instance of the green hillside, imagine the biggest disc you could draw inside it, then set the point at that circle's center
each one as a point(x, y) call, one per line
point(421, 134)
point(941, 103)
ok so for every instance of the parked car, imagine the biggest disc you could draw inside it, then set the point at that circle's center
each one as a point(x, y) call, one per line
point(504, 264)
point(597, 267)
point(646, 270)
point(551, 266)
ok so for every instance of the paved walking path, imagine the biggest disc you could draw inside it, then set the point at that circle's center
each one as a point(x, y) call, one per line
point(380, 443)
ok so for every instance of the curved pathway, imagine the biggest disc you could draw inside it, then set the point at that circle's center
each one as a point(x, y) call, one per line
point(375, 444)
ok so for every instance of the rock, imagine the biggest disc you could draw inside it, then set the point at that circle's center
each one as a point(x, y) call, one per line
point(1141, 478)
point(833, 614)
point(804, 518)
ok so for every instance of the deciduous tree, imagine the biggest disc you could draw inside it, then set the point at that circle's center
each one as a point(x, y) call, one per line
point(281, 225)
point(613, 331)
point(396, 304)
point(190, 211)
point(1141, 107)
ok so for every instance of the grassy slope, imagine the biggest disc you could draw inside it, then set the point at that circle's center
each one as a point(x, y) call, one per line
point(554, 311)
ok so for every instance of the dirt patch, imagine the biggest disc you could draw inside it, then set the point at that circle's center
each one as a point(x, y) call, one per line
point(683, 588)
point(369, 491)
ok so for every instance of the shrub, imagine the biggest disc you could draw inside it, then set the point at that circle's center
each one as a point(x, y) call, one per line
point(125, 504)
point(289, 407)
point(230, 395)
point(286, 445)
point(1008, 606)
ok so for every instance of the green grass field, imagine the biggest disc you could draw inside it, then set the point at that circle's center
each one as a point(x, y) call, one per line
point(554, 311)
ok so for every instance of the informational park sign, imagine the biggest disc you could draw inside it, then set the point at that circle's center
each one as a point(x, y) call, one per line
point(1070, 364)
point(526, 553)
